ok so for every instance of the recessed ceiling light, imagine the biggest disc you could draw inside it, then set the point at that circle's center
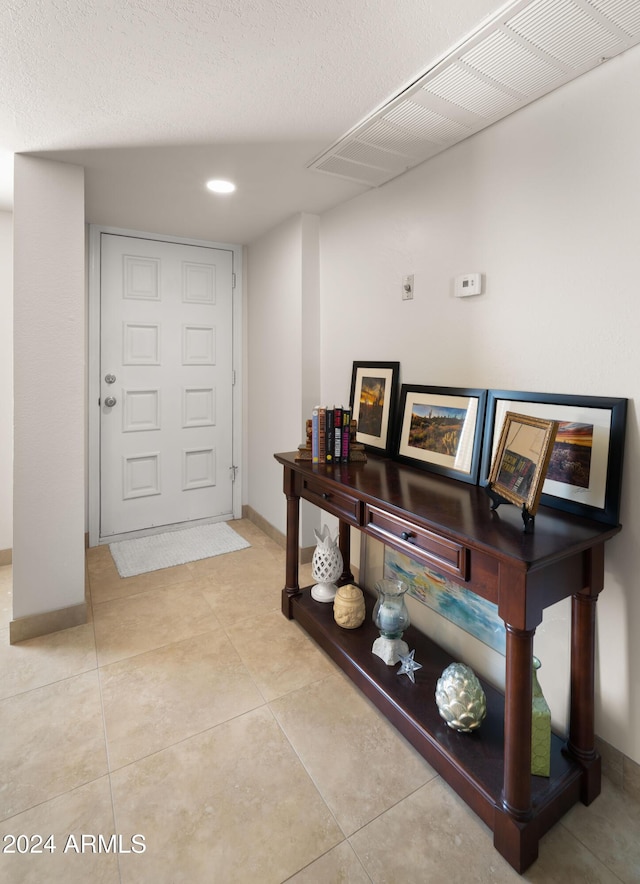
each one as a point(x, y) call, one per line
point(218, 185)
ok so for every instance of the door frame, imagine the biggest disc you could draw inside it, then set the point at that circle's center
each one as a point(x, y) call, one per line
point(93, 379)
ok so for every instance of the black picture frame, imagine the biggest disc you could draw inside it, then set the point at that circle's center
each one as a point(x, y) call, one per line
point(585, 473)
point(425, 441)
point(373, 401)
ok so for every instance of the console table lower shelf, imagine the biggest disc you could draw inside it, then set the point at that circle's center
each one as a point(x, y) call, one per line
point(472, 764)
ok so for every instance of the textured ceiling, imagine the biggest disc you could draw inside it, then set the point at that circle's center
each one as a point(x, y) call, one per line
point(247, 88)
point(154, 97)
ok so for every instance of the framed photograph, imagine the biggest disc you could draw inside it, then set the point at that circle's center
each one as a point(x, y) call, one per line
point(373, 400)
point(441, 430)
point(585, 470)
point(520, 463)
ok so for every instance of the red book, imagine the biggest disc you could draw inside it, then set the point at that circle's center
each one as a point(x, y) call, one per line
point(346, 434)
point(322, 434)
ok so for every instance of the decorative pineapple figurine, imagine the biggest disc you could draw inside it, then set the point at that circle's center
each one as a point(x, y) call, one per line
point(326, 566)
point(460, 698)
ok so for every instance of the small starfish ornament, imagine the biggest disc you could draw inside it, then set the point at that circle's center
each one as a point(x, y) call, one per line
point(409, 665)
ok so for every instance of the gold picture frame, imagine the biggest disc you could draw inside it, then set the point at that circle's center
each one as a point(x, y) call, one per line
point(521, 460)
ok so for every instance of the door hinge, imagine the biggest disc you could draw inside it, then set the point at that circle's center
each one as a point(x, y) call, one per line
point(233, 280)
point(233, 378)
point(234, 473)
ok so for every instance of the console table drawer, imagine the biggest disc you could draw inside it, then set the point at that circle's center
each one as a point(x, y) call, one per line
point(417, 542)
point(340, 504)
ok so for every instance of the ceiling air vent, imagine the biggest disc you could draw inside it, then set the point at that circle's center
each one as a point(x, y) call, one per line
point(529, 49)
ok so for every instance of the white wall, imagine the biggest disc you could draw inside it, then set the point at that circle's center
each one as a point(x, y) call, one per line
point(282, 358)
point(546, 205)
point(6, 381)
point(49, 366)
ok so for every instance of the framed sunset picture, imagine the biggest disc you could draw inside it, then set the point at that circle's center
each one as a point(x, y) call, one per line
point(584, 475)
point(374, 393)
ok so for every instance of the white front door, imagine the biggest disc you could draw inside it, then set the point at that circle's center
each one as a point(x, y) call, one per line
point(166, 379)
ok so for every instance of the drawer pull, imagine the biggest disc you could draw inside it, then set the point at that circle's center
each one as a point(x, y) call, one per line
point(325, 495)
point(407, 535)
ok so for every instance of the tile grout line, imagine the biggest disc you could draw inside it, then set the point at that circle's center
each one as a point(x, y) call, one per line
point(345, 838)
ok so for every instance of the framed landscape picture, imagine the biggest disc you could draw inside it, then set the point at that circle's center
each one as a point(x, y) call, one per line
point(373, 400)
point(585, 470)
point(441, 430)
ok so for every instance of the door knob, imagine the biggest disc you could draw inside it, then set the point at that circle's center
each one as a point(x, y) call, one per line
point(110, 401)
point(110, 378)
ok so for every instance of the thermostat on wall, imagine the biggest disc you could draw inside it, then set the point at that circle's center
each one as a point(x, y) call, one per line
point(468, 284)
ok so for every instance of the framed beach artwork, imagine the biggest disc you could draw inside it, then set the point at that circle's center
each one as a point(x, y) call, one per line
point(437, 591)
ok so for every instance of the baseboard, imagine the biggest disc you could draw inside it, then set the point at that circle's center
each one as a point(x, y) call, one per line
point(306, 552)
point(621, 770)
point(51, 621)
point(267, 528)
point(6, 557)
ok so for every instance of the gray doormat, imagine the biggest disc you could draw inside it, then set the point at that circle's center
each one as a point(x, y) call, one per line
point(143, 554)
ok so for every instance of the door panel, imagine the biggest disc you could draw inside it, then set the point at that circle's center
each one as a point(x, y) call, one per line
point(167, 361)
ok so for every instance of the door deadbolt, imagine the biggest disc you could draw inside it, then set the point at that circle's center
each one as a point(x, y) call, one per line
point(109, 379)
point(110, 401)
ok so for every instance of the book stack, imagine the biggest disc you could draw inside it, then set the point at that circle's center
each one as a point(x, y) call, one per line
point(330, 434)
point(331, 437)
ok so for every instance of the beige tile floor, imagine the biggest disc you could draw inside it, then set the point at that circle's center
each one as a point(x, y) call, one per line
point(189, 711)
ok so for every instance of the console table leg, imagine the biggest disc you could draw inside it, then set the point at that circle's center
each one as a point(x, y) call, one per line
point(513, 837)
point(292, 586)
point(581, 728)
point(517, 722)
point(344, 544)
point(581, 743)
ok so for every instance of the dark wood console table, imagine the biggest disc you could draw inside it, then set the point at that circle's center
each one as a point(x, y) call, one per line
point(448, 526)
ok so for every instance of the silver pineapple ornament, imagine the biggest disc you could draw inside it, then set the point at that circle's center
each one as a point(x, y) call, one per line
point(460, 698)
